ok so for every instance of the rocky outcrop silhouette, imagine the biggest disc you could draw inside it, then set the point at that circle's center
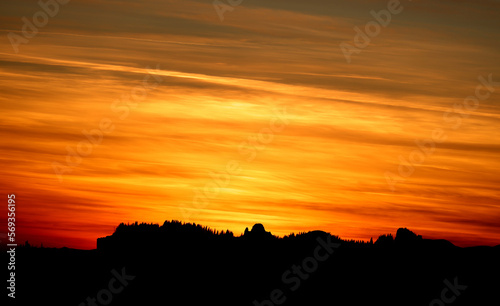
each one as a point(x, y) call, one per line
point(258, 232)
point(404, 235)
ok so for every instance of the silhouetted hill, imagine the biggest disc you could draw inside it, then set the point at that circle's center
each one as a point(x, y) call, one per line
point(154, 235)
point(189, 264)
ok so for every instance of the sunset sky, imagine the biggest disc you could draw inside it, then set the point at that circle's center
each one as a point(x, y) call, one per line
point(216, 86)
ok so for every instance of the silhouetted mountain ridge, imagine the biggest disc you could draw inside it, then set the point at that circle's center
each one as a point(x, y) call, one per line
point(155, 235)
point(190, 264)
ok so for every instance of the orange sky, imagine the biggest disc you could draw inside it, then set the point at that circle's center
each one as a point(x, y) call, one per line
point(221, 83)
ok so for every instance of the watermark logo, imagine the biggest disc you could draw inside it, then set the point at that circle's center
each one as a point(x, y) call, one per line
point(248, 151)
point(94, 137)
point(115, 286)
point(371, 30)
point(298, 273)
point(449, 294)
point(221, 8)
point(39, 20)
point(454, 116)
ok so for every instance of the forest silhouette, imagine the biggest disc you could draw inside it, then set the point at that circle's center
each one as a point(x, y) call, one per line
point(190, 264)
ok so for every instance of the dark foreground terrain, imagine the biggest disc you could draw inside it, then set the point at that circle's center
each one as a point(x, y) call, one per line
point(187, 264)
